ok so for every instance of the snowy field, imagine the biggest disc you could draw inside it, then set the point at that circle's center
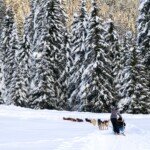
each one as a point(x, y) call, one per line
point(26, 129)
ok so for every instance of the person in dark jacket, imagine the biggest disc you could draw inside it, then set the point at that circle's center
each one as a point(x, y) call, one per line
point(121, 124)
point(114, 116)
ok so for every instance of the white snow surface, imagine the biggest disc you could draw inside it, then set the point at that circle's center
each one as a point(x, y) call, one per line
point(26, 129)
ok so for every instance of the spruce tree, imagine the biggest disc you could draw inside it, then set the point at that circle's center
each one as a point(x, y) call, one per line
point(64, 78)
point(140, 101)
point(28, 36)
point(49, 56)
point(144, 35)
point(112, 39)
point(132, 86)
point(14, 47)
point(36, 24)
point(71, 67)
point(94, 92)
point(78, 36)
point(143, 27)
point(29, 26)
point(21, 77)
point(2, 14)
point(126, 75)
point(8, 48)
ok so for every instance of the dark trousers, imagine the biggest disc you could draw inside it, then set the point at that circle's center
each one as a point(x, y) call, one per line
point(115, 126)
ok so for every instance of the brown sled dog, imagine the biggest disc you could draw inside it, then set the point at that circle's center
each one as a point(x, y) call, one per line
point(93, 121)
point(103, 125)
point(73, 119)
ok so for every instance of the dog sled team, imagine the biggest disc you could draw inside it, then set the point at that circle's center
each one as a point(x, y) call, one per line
point(118, 124)
point(103, 125)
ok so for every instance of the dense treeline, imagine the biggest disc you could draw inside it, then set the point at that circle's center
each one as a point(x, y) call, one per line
point(86, 69)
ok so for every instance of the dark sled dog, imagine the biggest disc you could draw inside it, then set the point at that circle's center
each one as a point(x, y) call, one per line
point(103, 125)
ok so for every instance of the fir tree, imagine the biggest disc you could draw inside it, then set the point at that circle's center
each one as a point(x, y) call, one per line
point(112, 39)
point(36, 24)
point(143, 27)
point(71, 67)
point(2, 14)
point(63, 80)
point(79, 34)
point(132, 83)
point(29, 22)
point(8, 54)
point(94, 92)
point(49, 56)
point(21, 84)
point(126, 75)
point(37, 12)
point(140, 102)
point(29, 32)
point(144, 35)
point(14, 47)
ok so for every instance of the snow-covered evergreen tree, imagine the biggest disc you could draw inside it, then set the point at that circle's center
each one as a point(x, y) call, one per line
point(143, 28)
point(21, 76)
point(9, 47)
point(28, 39)
point(112, 39)
point(132, 87)
point(126, 75)
point(64, 78)
point(49, 55)
point(2, 14)
point(37, 15)
point(144, 35)
point(140, 101)
point(14, 47)
point(95, 91)
point(78, 37)
point(29, 23)
point(71, 67)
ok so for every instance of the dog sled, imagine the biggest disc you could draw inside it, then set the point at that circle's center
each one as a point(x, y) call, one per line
point(102, 124)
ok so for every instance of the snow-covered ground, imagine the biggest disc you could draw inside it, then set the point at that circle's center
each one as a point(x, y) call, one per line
point(26, 129)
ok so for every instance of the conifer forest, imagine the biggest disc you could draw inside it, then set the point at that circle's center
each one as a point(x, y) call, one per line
point(87, 58)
